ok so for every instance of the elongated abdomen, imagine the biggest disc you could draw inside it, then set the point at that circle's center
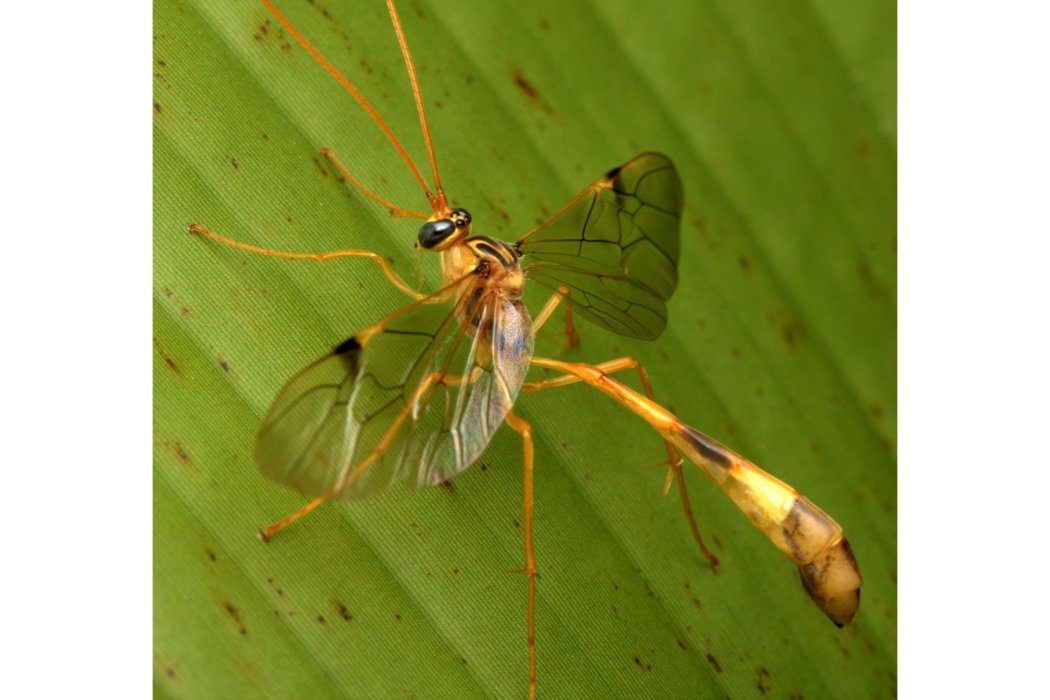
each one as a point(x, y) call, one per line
point(799, 529)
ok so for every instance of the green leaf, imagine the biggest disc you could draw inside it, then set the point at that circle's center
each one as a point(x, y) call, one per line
point(781, 343)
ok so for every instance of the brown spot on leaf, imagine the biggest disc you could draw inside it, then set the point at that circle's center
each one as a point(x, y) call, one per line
point(320, 618)
point(211, 554)
point(642, 664)
point(234, 163)
point(529, 90)
point(397, 616)
point(745, 264)
point(692, 597)
point(164, 356)
point(761, 679)
point(701, 227)
point(158, 108)
point(224, 364)
point(320, 167)
point(876, 410)
point(180, 452)
point(343, 612)
point(447, 485)
point(792, 331)
point(235, 615)
point(276, 589)
point(713, 661)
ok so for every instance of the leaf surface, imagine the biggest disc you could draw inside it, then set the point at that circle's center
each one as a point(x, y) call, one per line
point(781, 343)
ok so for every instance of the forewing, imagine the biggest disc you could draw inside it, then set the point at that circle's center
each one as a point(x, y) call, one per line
point(478, 398)
point(388, 404)
point(616, 247)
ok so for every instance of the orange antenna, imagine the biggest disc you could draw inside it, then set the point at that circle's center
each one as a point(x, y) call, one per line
point(438, 204)
point(442, 200)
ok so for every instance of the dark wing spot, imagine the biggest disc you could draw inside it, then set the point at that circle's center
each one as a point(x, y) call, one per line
point(348, 345)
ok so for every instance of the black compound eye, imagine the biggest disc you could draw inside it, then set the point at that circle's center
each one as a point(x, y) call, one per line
point(432, 233)
point(461, 217)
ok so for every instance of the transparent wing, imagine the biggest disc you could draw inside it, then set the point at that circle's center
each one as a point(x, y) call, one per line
point(471, 404)
point(414, 398)
point(616, 247)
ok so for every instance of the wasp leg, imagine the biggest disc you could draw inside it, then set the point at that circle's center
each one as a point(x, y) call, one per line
point(388, 271)
point(572, 338)
point(524, 428)
point(674, 460)
point(795, 526)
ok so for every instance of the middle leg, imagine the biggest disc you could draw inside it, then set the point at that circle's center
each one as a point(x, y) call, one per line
point(524, 428)
point(572, 338)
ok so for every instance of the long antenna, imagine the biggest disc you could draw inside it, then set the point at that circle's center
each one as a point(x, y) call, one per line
point(442, 200)
point(438, 204)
